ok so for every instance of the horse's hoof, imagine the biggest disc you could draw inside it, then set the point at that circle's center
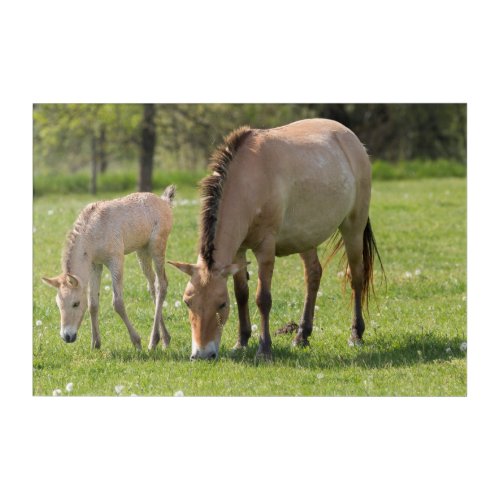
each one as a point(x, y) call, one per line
point(300, 342)
point(355, 342)
point(263, 355)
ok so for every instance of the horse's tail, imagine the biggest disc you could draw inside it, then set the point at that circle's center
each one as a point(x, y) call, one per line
point(370, 250)
point(169, 194)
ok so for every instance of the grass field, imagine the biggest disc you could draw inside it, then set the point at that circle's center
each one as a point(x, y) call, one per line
point(413, 340)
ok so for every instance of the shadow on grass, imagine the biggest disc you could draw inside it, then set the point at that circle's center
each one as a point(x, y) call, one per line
point(407, 350)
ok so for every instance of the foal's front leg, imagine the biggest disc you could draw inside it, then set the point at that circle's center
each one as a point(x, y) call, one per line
point(93, 303)
point(265, 257)
point(116, 269)
point(241, 293)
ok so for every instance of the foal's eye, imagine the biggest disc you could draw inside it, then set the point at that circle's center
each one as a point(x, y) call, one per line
point(76, 304)
point(222, 306)
point(186, 302)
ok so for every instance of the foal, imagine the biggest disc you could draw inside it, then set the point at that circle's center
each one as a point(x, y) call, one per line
point(103, 234)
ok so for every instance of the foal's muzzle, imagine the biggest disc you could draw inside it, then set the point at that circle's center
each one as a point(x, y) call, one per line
point(210, 351)
point(69, 338)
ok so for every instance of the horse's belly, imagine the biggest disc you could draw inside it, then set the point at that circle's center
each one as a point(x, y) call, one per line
point(313, 213)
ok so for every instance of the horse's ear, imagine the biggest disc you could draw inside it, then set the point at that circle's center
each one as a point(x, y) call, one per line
point(183, 266)
point(72, 280)
point(232, 269)
point(55, 282)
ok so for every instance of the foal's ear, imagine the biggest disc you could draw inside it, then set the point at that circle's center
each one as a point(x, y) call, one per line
point(183, 266)
point(55, 282)
point(72, 280)
point(232, 269)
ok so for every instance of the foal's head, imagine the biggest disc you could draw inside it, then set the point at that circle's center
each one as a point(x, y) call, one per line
point(207, 299)
point(72, 303)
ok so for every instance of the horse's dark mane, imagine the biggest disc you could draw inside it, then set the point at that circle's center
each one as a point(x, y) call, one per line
point(77, 230)
point(211, 188)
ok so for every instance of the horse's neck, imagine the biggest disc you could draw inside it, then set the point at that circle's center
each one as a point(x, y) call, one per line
point(232, 228)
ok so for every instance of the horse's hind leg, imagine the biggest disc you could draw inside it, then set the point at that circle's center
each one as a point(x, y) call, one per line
point(352, 234)
point(312, 275)
point(116, 269)
point(241, 292)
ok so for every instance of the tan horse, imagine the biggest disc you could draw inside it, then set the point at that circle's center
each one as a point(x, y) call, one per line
point(278, 192)
point(103, 234)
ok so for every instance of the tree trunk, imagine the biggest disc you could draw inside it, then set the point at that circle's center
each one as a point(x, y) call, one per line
point(94, 165)
point(103, 154)
point(148, 142)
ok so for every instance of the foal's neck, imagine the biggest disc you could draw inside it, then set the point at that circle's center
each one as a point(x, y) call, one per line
point(78, 259)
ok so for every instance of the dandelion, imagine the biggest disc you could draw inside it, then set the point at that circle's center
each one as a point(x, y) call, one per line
point(56, 392)
point(316, 308)
point(38, 322)
point(254, 328)
point(179, 394)
point(107, 288)
point(463, 346)
point(319, 376)
point(177, 303)
point(250, 273)
point(448, 350)
point(418, 272)
point(408, 274)
point(119, 389)
point(340, 274)
point(165, 305)
point(50, 212)
point(69, 387)
point(320, 293)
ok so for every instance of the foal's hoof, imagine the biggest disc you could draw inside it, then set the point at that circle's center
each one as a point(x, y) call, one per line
point(355, 342)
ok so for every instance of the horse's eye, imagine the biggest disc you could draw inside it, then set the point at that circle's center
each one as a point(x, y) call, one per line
point(76, 304)
point(222, 306)
point(187, 303)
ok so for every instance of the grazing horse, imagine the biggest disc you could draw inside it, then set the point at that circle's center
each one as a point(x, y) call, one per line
point(103, 234)
point(278, 192)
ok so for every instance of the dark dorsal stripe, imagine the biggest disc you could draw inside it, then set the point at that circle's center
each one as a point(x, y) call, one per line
point(211, 188)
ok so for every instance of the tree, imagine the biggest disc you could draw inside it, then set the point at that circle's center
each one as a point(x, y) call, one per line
point(148, 143)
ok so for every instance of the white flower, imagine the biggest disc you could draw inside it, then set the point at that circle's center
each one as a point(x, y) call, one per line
point(50, 212)
point(69, 387)
point(165, 304)
point(179, 394)
point(254, 328)
point(319, 376)
point(340, 274)
point(448, 350)
point(38, 322)
point(316, 308)
point(320, 293)
point(418, 272)
point(250, 273)
point(463, 346)
point(118, 389)
point(177, 303)
point(107, 288)
point(408, 274)
point(34, 229)
point(56, 392)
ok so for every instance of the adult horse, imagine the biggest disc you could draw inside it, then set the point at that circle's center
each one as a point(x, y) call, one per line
point(278, 192)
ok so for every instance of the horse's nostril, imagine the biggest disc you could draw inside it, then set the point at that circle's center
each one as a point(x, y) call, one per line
point(193, 357)
point(212, 356)
point(67, 337)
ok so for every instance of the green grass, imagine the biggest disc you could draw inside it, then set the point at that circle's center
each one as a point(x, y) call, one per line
point(412, 341)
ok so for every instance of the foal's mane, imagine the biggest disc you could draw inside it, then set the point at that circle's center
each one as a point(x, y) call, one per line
point(75, 233)
point(211, 188)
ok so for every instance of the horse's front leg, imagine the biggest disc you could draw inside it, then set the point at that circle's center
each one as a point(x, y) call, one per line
point(241, 292)
point(93, 303)
point(265, 257)
point(312, 275)
point(116, 269)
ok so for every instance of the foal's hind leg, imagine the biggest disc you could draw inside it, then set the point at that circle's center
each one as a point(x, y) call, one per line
point(312, 275)
point(352, 234)
point(161, 284)
point(93, 303)
point(116, 269)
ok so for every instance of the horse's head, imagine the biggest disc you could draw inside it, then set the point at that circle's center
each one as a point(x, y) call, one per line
point(72, 303)
point(207, 299)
